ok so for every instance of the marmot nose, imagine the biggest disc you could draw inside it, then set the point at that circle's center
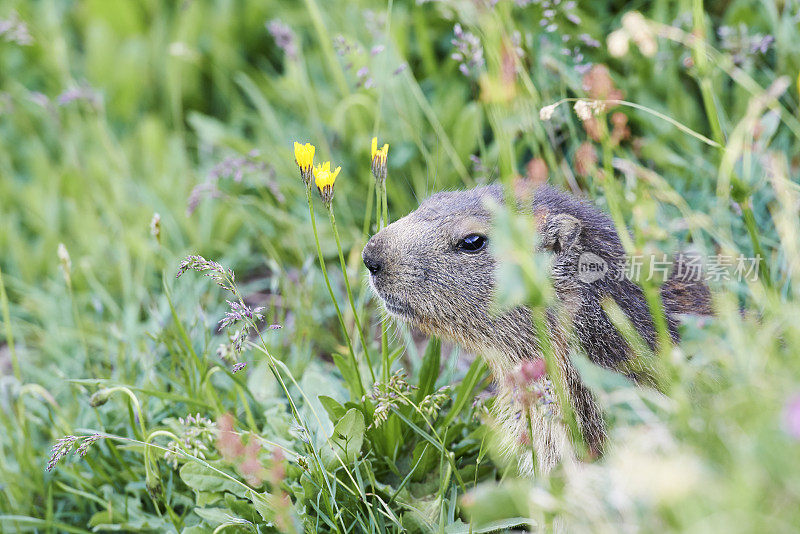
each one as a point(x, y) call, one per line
point(372, 264)
point(370, 257)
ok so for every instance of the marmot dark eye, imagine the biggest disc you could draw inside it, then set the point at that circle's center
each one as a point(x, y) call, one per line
point(472, 243)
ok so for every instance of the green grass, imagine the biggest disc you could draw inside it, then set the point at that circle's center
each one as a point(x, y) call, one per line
point(114, 344)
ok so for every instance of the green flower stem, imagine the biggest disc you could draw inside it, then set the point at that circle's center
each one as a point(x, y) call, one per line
point(378, 209)
point(151, 476)
point(385, 206)
point(724, 63)
point(191, 376)
point(349, 291)
point(136, 405)
point(368, 217)
point(382, 216)
point(23, 425)
point(210, 390)
point(330, 290)
point(156, 433)
point(614, 197)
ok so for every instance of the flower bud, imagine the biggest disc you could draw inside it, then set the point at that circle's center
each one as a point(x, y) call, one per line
point(100, 397)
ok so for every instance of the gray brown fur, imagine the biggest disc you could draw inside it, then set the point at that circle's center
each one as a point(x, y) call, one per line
point(425, 280)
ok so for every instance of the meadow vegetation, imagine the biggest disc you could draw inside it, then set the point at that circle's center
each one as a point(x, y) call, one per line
point(263, 389)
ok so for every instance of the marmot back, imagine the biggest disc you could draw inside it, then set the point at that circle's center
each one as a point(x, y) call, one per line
point(574, 230)
point(433, 269)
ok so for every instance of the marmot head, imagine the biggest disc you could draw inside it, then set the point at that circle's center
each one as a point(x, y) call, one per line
point(434, 268)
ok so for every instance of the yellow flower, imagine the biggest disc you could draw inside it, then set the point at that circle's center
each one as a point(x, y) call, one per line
point(325, 178)
point(379, 157)
point(381, 153)
point(323, 175)
point(304, 157)
point(304, 154)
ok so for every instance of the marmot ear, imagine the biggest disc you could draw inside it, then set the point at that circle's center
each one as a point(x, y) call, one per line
point(562, 231)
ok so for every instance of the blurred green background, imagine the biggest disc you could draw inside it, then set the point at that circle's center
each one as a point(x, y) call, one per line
point(112, 111)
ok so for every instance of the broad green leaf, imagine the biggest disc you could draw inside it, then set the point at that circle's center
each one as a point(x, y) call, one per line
point(346, 440)
point(459, 527)
point(335, 410)
point(106, 517)
point(201, 478)
point(244, 509)
point(490, 504)
point(261, 502)
point(204, 498)
point(215, 516)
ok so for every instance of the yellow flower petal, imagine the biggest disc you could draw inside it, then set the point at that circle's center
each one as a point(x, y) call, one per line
point(323, 176)
point(304, 154)
point(322, 167)
point(374, 147)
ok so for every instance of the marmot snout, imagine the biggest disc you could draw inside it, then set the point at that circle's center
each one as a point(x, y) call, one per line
point(433, 269)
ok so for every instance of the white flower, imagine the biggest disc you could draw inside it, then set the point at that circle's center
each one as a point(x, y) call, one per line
point(583, 110)
point(617, 43)
point(635, 24)
point(586, 109)
point(639, 30)
point(546, 113)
